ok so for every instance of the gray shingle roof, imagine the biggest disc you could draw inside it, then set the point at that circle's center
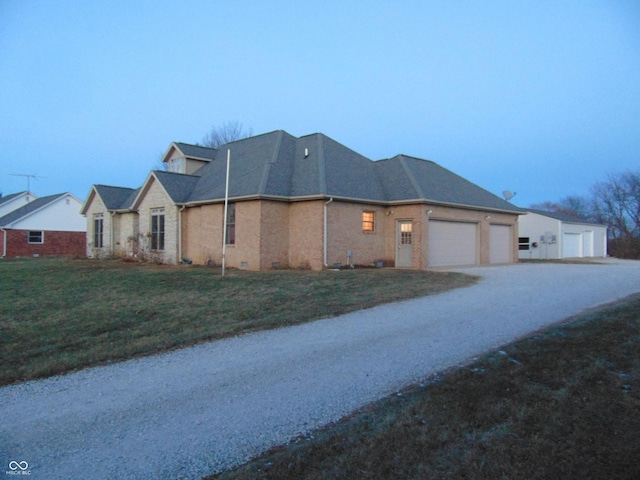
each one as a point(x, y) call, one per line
point(563, 217)
point(177, 185)
point(196, 151)
point(28, 208)
point(279, 165)
point(116, 198)
point(11, 196)
point(429, 181)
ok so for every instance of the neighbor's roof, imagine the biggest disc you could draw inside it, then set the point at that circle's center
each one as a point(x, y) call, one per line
point(11, 196)
point(563, 217)
point(280, 166)
point(29, 208)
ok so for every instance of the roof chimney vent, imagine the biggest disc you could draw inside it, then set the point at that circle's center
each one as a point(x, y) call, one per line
point(306, 152)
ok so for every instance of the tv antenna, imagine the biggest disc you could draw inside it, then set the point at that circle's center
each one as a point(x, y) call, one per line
point(28, 177)
point(508, 195)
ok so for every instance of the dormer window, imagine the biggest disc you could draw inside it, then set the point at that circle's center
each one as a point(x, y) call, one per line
point(176, 165)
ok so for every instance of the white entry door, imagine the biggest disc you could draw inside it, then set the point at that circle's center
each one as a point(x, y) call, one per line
point(404, 244)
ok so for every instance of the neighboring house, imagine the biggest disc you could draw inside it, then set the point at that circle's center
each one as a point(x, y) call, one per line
point(45, 226)
point(550, 235)
point(12, 202)
point(306, 202)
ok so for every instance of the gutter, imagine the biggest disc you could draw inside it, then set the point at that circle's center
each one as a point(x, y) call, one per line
point(113, 237)
point(325, 236)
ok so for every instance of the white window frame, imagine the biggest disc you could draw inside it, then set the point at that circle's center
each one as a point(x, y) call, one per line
point(41, 232)
point(158, 236)
point(98, 217)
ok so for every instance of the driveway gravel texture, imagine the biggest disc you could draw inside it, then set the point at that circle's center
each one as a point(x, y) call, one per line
point(199, 410)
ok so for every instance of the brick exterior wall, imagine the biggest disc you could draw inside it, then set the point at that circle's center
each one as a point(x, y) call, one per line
point(346, 235)
point(202, 233)
point(274, 234)
point(56, 243)
point(306, 227)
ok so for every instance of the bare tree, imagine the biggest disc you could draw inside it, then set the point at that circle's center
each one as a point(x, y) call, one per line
point(573, 205)
point(616, 203)
point(225, 133)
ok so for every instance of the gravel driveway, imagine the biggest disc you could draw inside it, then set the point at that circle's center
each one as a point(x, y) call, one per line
point(195, 411)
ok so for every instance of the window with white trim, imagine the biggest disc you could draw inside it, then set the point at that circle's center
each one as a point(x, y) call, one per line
point(368, 222)
point(98, 230)
point(157, 229)
point(176, 165)
point(231, 224)
point(36, 237)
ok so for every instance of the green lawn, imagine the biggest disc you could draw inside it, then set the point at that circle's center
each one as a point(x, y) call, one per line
point(57, 315)
point(564, 404)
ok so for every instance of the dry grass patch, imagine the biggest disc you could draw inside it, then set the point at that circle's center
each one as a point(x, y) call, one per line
point(59, 315)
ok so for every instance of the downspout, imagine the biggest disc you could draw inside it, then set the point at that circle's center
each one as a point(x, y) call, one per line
point(325, 239)
point(179, 259)
point(113, 235)
point(4, 242)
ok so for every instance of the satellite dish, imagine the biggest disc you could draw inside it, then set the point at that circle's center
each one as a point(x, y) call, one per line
point(508, 195)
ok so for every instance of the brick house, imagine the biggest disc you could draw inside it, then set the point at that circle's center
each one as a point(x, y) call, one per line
point(46, 226)
point(301, 202)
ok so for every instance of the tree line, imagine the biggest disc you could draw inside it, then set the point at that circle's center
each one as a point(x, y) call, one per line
point(614, 202)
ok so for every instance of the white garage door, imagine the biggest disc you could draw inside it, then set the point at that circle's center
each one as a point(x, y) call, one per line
point(571, 245)
point(452, 243)
point(587, 244)
point(500, 250)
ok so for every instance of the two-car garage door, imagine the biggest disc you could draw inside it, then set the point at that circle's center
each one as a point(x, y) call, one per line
point(456, 243)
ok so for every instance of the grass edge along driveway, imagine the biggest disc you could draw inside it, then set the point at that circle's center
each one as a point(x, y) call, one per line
point(60, 315)
point(562, 403)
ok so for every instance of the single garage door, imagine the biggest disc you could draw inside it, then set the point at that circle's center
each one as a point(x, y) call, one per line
point(500, 250)
point(571, 245)
point(452, 243)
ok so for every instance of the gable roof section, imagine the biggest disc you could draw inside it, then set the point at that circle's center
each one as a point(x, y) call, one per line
point(258, 167)
point(115, 198)
point(178, 186)
point(28, 209)
point(196, 151)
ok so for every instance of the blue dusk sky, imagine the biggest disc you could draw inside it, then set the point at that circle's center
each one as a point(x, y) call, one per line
point(537, 97)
